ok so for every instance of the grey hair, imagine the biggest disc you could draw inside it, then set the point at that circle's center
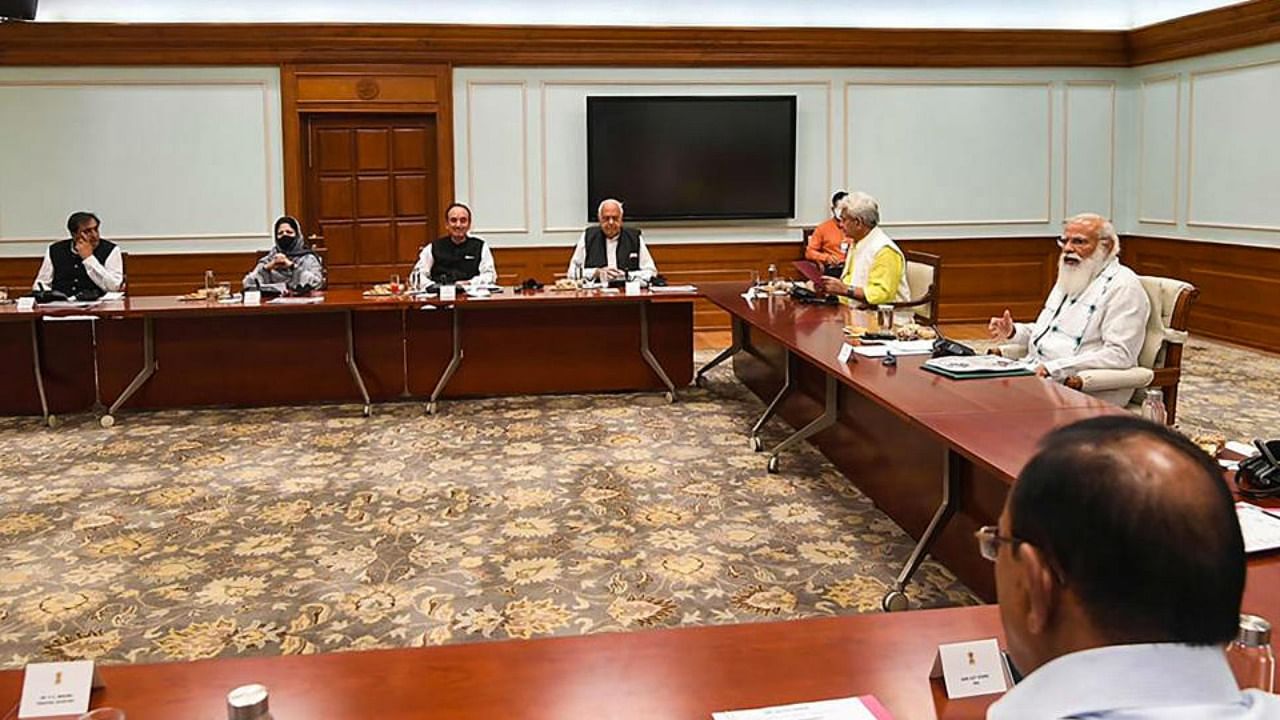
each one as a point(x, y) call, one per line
point(606, 201)
point(1106, 231)
point(861, 207)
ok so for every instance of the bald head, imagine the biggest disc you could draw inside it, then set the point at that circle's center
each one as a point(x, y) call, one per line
point(1140, 527)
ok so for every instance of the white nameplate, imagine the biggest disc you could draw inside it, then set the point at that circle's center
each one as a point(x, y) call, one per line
point(26, 304)
point(846, 352)
point(252, 297)
point(971, 668)
point(448, 293)
point(633, 287)
point(57, 688)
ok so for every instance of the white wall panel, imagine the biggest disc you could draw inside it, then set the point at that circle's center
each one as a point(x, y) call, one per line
point(496, 167)
point(173, 160)
point(1089, 149)
point(1159, 161)
point(952, 153)
point(1234, 148)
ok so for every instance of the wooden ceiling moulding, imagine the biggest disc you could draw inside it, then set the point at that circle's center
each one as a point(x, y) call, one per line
point(1228, 28)
point(274, 44)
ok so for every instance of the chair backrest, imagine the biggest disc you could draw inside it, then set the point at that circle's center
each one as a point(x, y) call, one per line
point(924, 273)
point(805, 234)
point(1167, 325)
point(124, 271)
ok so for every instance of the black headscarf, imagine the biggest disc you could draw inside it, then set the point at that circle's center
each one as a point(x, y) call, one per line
point(290, 246)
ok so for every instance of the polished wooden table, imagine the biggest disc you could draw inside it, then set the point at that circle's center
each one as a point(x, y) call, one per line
point(159, 352)
point(937, 455)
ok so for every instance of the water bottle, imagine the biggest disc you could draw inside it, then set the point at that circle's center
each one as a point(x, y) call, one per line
point(1250, 657)
point(1153, 407)
point(248, 702)
point(773, 274)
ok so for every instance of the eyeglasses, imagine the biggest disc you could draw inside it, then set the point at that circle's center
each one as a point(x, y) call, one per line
point(1077, 241)
point(989, 539)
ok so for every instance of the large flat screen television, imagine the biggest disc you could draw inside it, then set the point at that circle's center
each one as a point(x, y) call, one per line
point(693, 158)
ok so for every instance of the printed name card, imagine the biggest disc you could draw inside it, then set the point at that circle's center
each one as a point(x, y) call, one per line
point(846, 352)
point(57, 688)
point(252, 297)
point(633, 287)
point(971, 668)
point(26, 304)
point(865, 707)
point(448, 293)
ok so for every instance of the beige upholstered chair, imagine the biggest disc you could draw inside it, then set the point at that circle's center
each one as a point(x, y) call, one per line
point(924, 277)
point(1160, 360)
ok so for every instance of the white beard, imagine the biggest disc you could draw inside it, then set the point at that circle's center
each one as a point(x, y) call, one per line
point(1073, 279)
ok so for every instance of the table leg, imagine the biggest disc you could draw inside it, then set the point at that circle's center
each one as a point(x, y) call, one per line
point(896, 599)
point(822, 422)
point(149, 367)
point(648, 354)
point(49, 420)
point(351, 364)
point(727, 353)
point(454, 361)
point(756, 443)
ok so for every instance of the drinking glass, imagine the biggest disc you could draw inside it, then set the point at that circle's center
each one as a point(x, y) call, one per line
point(4, 294)
point(104, 713)
point(395, 285)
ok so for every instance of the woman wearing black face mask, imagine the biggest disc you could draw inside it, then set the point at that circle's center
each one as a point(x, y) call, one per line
point(290, 263)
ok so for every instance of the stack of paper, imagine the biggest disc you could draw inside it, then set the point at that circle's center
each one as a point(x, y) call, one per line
point(897, 347)
point(1261, 528)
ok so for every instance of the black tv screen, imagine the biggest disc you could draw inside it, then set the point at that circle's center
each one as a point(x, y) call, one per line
point(693, 158)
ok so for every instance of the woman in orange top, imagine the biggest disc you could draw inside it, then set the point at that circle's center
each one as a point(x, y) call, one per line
point(828, 245)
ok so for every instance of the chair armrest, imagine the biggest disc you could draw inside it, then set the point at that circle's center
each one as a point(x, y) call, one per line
point(1108, 379)
point(1013, 351)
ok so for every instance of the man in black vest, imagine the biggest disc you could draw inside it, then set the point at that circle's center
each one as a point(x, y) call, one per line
point(83, 265)
point(609, 251)
point(457, 257)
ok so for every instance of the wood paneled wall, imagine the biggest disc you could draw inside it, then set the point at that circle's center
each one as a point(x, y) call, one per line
point(1239, 285)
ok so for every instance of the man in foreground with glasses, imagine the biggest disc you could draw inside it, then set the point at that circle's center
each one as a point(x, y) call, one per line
point(1096, 314)
point(1119, 570)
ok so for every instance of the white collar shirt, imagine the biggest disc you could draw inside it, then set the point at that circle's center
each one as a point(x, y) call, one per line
point(1169, 681)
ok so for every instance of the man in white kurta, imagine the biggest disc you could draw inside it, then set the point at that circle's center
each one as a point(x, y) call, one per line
point(1095, 316)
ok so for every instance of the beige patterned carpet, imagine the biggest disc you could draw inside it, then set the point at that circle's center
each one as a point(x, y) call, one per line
point(195, 534)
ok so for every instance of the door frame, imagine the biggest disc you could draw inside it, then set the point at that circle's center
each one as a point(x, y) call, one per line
point(391, 89)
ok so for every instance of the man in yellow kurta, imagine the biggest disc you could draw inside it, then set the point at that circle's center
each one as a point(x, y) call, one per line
point(875, 270)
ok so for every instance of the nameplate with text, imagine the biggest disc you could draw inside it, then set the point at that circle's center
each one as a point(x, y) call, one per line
point(971, 668)
point(57, 689)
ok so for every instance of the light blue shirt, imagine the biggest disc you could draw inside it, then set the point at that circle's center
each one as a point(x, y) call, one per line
point(1135, 682)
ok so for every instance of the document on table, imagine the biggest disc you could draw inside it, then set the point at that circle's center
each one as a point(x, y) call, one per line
point(865, 707)
point(673, 288)
point(897, 347)
point(1260, 528)
point(303, 300)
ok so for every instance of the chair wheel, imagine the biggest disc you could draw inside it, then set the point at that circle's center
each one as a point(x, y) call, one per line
point(431, 408)
point(671, 397)
point(773, 464)
point(52, 421)
point(368, 410)
point(107, 421)
point(757, 445)
point(700, 381)
point(895, 601)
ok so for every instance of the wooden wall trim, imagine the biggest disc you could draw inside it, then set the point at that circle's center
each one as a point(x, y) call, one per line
point(1235, 282)
point(1229, 28)
point(278, 44)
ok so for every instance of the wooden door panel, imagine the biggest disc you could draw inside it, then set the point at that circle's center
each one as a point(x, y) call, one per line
point(375, 244)
point(411, 194)
point(332, 150)
point(372, 149)
point(414, 150)
point(372, 192)
point(374, 197)
point(336, 202)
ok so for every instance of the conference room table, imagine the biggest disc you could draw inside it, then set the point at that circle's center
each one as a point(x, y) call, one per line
point(340, 346)
point(936, 454)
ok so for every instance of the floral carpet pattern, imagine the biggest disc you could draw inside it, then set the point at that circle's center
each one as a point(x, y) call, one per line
point(197, 534)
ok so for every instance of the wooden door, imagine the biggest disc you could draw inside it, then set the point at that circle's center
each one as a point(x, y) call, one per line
point(371, 192)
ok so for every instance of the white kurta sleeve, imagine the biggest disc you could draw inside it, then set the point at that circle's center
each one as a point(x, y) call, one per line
point(647, 267)
point(44, 278)
point(578, 262)
point(108, 276)
point(1123, 329)
point(420, 276)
